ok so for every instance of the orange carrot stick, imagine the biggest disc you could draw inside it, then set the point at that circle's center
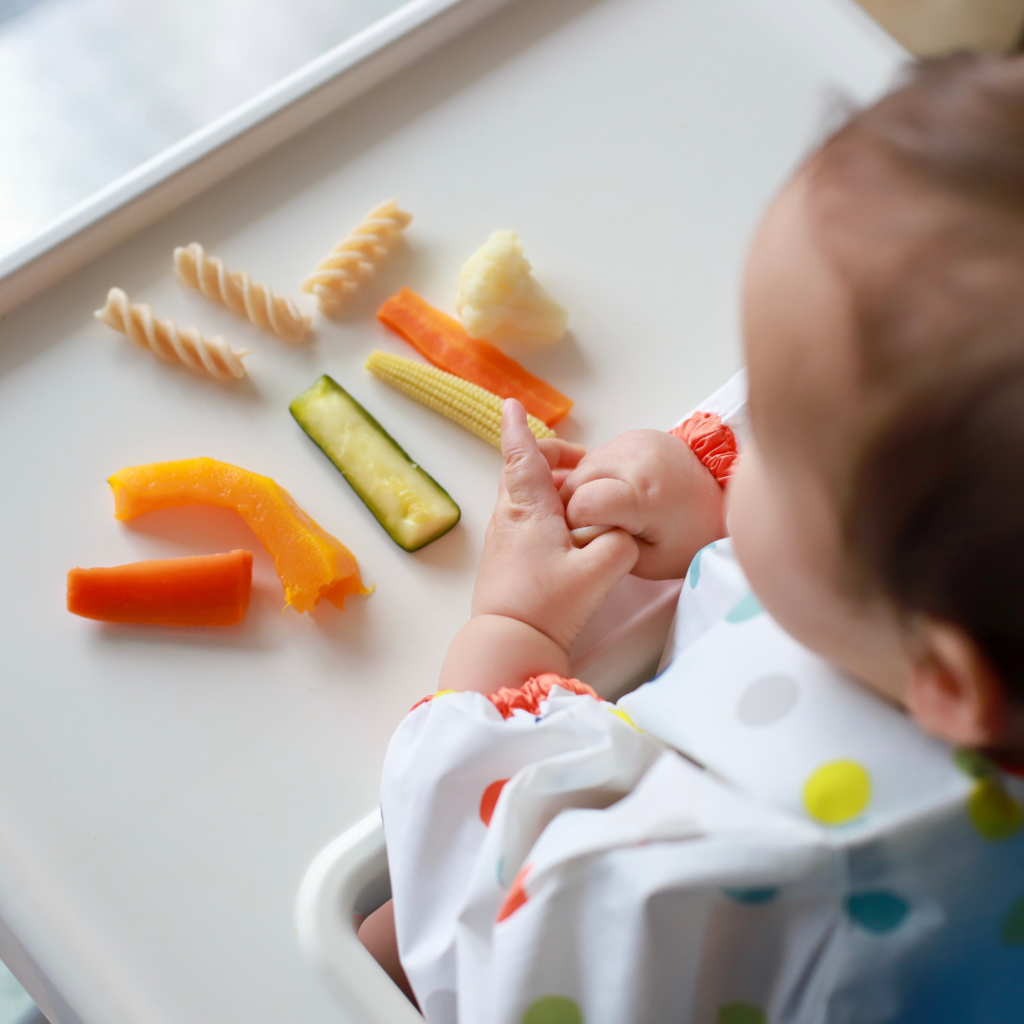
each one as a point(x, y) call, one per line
point(201, 590)
point(444, 342)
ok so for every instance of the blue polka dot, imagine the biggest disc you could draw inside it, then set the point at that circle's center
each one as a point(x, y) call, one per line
point(746, 609)
point(752, 897)
point(501, 868)
point(877, 912)
point(694, 573)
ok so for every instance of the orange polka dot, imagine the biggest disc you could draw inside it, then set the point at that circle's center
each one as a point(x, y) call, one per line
point(516, 895)
point(490, 800)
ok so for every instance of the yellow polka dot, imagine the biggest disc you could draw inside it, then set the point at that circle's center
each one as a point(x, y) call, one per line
point(1012, 932)
point(619, 713)
point(740, 1013)
point(554, 1010)
point(837, 792)
point(442, 693)
point(994, 813)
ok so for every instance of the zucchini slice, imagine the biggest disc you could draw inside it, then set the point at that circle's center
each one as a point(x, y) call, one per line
point(407, 502)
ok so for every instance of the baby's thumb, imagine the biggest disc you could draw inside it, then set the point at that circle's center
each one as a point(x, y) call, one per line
point(527, 474)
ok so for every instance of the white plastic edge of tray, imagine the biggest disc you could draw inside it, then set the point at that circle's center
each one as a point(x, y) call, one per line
point(350, 874)
point(206, 157)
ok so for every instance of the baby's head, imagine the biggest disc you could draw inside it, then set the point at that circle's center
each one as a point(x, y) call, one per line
point(879, 513)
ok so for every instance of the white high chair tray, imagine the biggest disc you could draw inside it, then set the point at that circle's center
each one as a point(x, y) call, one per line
point(163, 792)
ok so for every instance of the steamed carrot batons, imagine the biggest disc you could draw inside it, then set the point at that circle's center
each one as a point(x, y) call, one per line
point(444, 341)
point(309, 561)
point(201, 590)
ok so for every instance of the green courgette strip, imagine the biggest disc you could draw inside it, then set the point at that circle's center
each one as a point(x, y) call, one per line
point(407, 502)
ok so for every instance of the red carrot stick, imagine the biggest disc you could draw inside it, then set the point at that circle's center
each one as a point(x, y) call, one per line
point(201, 590)
point(446, 344)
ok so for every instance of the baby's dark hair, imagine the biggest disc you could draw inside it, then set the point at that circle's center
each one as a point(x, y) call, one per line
point(920, 201)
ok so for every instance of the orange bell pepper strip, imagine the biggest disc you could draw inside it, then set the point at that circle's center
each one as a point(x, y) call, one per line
point(310, 562)
point(200, 590)
point(445, 343)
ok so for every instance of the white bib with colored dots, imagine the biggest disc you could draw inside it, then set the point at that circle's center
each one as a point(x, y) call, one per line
point(772, 845)
point(745, 700)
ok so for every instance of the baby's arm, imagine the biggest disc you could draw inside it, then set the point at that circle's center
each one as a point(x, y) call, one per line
point(653, 486)
point(534, 591)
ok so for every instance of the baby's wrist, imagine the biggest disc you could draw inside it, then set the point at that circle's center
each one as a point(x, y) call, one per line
point(492, 651)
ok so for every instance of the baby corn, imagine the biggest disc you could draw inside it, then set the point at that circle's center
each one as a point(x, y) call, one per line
point(469, 405)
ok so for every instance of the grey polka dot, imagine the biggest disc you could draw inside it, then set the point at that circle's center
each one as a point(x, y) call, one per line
point(767, 699)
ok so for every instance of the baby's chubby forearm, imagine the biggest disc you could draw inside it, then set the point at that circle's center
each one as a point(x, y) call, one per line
point(492, 651)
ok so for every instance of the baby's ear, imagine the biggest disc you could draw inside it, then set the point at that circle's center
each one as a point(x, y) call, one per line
point(954, 691)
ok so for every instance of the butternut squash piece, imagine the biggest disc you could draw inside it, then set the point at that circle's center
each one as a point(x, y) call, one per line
point(310, 562)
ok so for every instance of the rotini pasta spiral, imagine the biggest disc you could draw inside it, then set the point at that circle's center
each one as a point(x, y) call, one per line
point(353, 260)
point(169, 342)
point(237, 291)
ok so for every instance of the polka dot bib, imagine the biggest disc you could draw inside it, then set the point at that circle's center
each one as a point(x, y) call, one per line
point(752, 705)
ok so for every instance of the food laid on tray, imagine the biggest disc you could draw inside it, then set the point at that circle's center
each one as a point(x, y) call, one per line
point(170, 343)
point(500, 300)
point(467, 380)
point(198, 590)
point(340, 273)
point(444, 341)
point(469, 405)
point(237, 291)
point(407, 502)
point(310, 562)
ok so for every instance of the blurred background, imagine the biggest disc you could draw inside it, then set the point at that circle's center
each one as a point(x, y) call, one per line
point(89, 89)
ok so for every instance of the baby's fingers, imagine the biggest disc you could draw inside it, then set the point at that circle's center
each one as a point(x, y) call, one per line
point(608, 559)
point(605, 502)
point(561, 454)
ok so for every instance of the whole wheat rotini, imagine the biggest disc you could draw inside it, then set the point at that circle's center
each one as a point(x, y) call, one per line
point(355, 258)
point(169, 342)
point(239, 293)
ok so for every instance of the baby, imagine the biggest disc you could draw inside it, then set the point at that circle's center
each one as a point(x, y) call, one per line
point(813, 814)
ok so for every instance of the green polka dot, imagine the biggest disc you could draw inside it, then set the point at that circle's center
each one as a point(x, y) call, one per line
point(1012, 932)
point(741, 1013)
point(752, 897)
point(877, 912)
point(837, 792)
point(973, 764)
point(994, 813)
point(694, 573)
point(554, 1010)
point(748, 608)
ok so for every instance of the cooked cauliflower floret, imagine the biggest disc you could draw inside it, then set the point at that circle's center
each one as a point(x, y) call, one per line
point(500, 300)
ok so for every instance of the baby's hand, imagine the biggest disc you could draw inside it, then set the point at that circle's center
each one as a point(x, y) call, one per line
point(529, 569)
point(651, 485)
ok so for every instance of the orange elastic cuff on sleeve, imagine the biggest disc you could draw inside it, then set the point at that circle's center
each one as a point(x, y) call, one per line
point(533, 691)
point(712, 442)
point(528, 696)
